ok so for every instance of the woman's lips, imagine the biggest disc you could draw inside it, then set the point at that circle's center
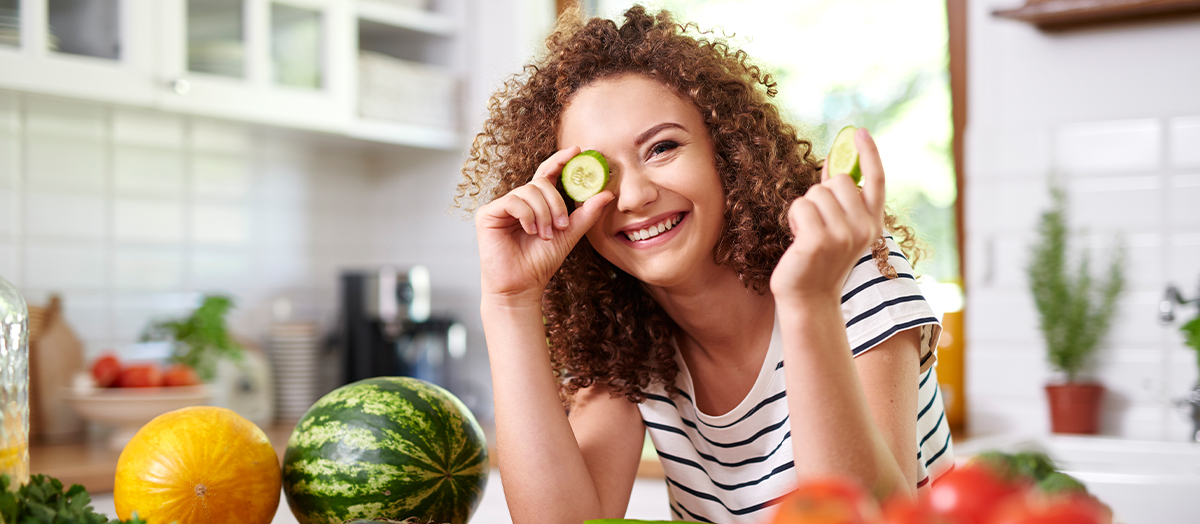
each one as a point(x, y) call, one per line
point(654, 234)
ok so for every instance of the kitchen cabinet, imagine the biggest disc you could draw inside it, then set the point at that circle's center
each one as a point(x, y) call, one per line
point(291, 64)
point(99, 50)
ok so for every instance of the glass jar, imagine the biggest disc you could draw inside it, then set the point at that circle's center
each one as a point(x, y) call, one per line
point(14, 385)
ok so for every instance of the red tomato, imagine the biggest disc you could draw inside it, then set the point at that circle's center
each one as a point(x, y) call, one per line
point(106, 370)
point(1054, 510)
point(141, 376)
point(904, 510)
point(968, 495)
point(180, 375)
point(827, 501)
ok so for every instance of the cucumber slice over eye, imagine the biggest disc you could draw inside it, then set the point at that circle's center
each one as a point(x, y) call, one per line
point(843, 156)
point(585, 175)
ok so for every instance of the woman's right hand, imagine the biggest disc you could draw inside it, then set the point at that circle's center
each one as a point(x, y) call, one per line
point(524, 236)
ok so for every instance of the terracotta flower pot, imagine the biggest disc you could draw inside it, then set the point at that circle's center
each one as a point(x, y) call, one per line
point(1075, 407)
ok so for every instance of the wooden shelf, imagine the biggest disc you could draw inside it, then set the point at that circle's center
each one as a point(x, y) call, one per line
point(1057, 14)
point(406, 18)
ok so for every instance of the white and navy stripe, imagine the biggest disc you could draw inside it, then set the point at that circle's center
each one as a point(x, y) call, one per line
point(731, 467)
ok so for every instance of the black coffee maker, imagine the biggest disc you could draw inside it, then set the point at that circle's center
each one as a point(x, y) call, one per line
point(386, 329)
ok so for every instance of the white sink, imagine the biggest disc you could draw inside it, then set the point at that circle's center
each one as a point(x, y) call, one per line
point(1145, 482)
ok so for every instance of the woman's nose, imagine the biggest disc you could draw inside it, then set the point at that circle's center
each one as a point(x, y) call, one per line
point(634, 190)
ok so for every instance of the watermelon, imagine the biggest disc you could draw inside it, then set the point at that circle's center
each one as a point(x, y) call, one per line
point(386, 448)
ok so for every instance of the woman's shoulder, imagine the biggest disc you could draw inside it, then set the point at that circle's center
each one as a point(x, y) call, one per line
point(875, 306)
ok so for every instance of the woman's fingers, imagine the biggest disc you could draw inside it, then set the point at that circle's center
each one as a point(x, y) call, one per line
point(803, 214)
point(558, 208)
point(832, 214)
point(520, 210)
point(552, 167)
point(872, 173)
point(848, 195)
point(532, 196)
point(586, 215)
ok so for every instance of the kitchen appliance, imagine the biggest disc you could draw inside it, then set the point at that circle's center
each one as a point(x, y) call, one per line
point(386, 327)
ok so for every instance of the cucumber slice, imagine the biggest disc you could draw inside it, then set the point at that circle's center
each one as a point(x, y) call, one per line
point(585, 175)
point(843, 156)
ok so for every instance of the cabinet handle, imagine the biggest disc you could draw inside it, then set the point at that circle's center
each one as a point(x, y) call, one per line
point(181, 86)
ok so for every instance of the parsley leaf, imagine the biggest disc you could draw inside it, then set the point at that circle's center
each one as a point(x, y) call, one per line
point(43, 501)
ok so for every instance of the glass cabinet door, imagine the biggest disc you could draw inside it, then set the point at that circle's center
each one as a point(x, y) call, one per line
point(216, 37)
point(296, 42)
point(10, 23)
point(84, 27)
point(264, 61)
point(99, 50)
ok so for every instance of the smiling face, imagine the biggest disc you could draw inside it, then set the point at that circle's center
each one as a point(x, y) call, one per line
point(669, 208)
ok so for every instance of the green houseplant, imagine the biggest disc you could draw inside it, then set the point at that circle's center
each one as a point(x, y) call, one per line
point(1075, 312)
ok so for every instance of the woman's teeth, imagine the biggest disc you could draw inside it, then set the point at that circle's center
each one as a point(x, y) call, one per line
point(654, 230)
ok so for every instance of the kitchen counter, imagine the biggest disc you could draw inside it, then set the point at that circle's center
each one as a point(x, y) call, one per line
point(94, 465)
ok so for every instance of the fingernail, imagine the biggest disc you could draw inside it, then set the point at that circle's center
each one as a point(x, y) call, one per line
point(533, 229)
point(562, 221)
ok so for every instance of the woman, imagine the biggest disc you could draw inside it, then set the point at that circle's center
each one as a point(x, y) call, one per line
point(719, 264)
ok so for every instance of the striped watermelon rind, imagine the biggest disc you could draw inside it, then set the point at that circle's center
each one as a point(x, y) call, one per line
point(386, 448)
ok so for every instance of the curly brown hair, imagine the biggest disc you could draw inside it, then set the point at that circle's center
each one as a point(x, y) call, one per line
point(601, 324)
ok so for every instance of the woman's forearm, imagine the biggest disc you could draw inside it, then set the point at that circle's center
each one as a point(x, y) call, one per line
point(833, 432)
point(544, 475)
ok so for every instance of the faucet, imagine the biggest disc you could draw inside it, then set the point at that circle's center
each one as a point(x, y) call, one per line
point(1166, 315)
point(1166, 308)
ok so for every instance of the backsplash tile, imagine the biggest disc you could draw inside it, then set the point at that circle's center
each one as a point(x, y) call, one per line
point(1120, 146)
point(10, 265)
point(1183, 270)
point(10, 213)
point(220, 269)
point(64, 164)
point(220, 176)
point(147, 171)
point(1185, 142)
point(1184, 202)
point(1121, 204)
point(155, 221)
point(61, 267)
point(145, 128)
point(65, 216)
point(220, 225)
point(148, 269)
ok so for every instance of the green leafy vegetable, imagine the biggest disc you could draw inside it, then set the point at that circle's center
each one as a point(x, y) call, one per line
point(1061, 483)
point(1033, 464)
point(43, 501)
point(1191, 336)
point(201, 339)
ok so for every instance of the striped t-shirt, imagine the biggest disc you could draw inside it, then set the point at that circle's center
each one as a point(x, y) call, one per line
point(731, 467)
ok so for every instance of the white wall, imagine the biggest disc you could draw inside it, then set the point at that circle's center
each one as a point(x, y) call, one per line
point(1113, 112)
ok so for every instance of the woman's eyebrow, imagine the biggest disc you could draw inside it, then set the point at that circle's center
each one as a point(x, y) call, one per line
point(647, 134)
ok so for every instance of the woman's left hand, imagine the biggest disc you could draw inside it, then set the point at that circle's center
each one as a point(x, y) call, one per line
point(833, 224)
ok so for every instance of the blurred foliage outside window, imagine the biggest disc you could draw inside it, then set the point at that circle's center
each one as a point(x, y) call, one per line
point(880, 64)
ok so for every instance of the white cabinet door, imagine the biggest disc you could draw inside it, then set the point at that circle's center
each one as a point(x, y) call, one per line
point(274, 62)
point(100, 50)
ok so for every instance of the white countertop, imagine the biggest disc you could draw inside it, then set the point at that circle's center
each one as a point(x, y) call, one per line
point(648, 502)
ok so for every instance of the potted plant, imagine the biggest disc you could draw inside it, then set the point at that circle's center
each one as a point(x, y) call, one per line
point(1075, 312)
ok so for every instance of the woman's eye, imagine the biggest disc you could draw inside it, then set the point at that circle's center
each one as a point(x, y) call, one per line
point(662, 147)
